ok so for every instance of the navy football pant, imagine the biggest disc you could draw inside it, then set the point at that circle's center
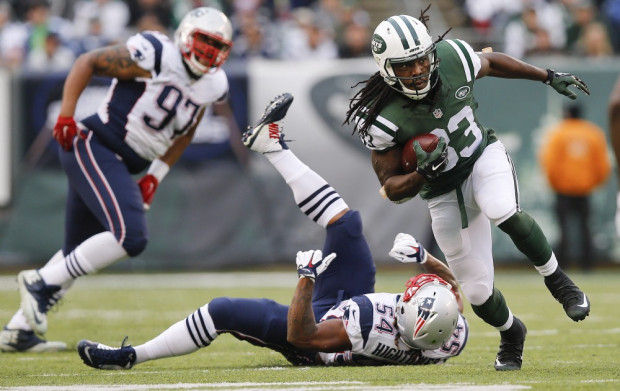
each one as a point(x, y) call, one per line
point(102, 197)
point(262, 322)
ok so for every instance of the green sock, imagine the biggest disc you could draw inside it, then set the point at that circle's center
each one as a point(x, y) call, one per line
point(494, 311)
point(528, 237)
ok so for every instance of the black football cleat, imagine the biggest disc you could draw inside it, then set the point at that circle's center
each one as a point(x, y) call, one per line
point(37, 298)
point(510, 355)
point(266, 136)
point(576, 304)
point(25, 341)
point(101, 356)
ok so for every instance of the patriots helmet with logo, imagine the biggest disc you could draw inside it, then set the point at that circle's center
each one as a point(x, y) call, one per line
point(399, 39)
point(426, 319)
point(204, 37)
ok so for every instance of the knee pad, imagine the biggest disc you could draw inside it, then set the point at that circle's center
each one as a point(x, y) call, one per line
point(476, 292)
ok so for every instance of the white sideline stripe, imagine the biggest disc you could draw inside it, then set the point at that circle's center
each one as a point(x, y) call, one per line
point(281, 386)
point(176, 280)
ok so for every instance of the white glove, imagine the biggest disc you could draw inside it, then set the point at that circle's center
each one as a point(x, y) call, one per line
point(311, 263)
point(618, 215)
point(406, 249)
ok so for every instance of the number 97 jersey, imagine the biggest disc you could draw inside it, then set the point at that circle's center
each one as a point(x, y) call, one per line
point(149, 113)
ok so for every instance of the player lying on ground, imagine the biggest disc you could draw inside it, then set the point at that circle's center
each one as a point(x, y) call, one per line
point(159, 92)
point(370, 327)
point(424, 86)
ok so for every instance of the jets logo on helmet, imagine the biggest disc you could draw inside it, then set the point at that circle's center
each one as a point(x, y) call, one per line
point(204, 37)
point(403, 39)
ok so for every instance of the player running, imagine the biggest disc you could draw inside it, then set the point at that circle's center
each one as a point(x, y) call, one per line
point(426, 86)
point(159, 92)
point(356, 326)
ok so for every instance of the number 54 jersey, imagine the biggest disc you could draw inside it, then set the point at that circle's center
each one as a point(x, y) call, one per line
point(369, 322)
point(147, 114)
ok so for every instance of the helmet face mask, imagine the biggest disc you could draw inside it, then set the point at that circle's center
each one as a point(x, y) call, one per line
point(426, 318)
point(204, 37)
point(400, 40)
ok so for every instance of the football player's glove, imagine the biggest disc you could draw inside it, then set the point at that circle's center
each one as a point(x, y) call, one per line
point(560, 81)
point(311, 264)
point(148, 184)
point(64, 132)
point(430, 164)
point(406, 249)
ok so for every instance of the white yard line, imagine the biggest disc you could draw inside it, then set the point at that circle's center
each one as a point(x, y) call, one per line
point(279, 386)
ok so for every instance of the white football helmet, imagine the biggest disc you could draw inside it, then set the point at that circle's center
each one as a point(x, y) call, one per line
point(399, 39)
point(204, 34)
point(427, 313)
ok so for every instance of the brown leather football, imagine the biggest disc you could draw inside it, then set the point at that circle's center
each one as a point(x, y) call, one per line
point(428, 142)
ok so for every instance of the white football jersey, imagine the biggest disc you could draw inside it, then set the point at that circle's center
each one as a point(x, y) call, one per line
point(149, 113)
point(369, 322)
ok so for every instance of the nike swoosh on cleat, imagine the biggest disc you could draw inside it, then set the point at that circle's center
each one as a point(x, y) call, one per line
point(585, 302)
point(434, 167)
point(86, 349)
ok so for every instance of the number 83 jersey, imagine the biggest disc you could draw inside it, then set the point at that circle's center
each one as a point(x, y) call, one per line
point(369, 322)
point(149, 113)
point(448, 112)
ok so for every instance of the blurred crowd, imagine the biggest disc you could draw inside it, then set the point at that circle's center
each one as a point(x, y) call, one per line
point(47, 35)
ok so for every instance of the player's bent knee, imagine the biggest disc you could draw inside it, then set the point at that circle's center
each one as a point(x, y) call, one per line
point(477, 293)
point(500, 211)
point(519, 224)
point(220, 310)
point(135, 244)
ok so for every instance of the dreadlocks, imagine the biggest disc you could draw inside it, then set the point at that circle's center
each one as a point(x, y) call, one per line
point(368, 102)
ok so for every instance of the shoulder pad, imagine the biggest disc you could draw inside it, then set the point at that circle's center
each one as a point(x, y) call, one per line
point(212, 87)
point(466, 63)
point(146, 50)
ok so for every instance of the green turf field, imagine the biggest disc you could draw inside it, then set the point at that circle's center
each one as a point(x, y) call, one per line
point(559, 354)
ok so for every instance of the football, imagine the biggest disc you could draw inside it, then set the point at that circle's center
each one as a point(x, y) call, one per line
point(428, 142)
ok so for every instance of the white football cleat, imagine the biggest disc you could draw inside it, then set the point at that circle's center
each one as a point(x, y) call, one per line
point(265, 136)
point(15, 340)
point(37, 298)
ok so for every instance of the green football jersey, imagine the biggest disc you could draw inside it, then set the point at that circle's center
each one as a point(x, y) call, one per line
point(450, 115)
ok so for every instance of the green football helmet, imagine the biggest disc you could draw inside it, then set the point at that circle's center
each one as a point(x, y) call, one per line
point(401, 39)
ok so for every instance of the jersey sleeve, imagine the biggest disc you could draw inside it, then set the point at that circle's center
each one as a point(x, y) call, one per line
point(468, 60)
point(381, 134)
point(146, 50)
point(453, 346)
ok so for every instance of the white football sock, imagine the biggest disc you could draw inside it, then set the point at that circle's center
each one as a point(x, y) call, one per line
point(18, 322)
point(548, 268)
point(93, 254)
point(313, 195)
point(185, 336)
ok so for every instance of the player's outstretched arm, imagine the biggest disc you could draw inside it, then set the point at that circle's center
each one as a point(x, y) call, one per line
point(505, 66)
point(406, 249)
point(302, 330)
point(397, 185)
point(113, 61)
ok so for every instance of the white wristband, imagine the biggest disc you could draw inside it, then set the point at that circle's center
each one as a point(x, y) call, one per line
point(158, 169)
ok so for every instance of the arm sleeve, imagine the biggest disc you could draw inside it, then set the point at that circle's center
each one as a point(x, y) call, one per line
point(381, 135)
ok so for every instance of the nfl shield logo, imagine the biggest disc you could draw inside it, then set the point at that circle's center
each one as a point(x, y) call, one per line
point(437, 113)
